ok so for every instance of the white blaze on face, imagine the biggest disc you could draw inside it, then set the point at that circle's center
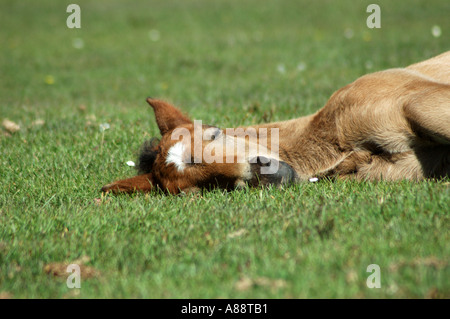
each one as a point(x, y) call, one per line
point(175, 156)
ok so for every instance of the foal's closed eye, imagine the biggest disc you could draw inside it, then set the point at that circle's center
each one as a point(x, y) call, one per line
point(212, 133)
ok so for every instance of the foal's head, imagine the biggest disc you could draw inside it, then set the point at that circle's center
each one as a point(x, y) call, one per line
point(191, 156)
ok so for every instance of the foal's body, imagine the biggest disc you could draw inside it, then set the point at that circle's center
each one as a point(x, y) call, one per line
point(391, 125)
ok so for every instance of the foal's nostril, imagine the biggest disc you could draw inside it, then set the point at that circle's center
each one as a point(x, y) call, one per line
point(262, 160)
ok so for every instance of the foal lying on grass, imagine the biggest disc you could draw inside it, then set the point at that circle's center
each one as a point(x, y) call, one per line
point(388, 125)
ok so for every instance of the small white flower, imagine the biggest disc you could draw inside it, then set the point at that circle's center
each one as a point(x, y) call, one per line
point(154, 35)
point(368, 65)
point(281, 68)
point(348, 33)
point(78, 43)
point(301, 66)
point(104, 127)
point(313, 179)
point(436, 31)
point(131, 163)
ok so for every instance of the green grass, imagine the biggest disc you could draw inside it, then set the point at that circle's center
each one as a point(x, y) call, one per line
point(220, 61)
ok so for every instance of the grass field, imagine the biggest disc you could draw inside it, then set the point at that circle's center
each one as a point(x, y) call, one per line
point(227, 63)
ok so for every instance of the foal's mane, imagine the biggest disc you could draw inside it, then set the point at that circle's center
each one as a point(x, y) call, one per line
point(147, 155)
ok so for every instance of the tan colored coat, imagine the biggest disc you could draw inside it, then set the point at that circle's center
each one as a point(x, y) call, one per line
point(390, 125)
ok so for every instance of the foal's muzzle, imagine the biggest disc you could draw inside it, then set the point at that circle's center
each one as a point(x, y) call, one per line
point(270, 171)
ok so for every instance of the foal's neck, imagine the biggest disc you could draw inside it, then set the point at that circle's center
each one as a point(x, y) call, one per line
point(309, 144)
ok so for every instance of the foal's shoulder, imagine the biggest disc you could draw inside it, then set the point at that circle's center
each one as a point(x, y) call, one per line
point(437, 68)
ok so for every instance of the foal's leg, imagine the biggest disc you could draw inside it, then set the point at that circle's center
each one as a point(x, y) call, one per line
point(142, 183)
point(429, 113)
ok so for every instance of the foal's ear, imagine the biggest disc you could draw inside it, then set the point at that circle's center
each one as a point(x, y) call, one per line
point(167, 116)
